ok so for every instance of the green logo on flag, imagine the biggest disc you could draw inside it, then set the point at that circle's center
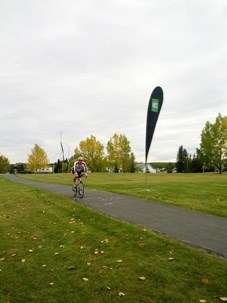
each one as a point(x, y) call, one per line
point(155, 105)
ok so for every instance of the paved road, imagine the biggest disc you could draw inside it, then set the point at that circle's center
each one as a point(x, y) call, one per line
point(198, 230)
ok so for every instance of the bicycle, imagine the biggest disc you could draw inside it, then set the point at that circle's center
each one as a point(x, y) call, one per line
point(78, 188)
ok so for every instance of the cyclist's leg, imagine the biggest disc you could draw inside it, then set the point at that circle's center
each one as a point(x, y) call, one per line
point(75, 180)
point(81, 189)
point(77, 176)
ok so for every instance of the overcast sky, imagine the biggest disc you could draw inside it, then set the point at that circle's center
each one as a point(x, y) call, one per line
point(70, 69)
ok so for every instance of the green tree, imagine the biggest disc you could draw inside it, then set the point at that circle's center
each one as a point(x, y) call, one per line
point(17, 168)
point(37, 159)
point(58, 166)
point(118, 149)
point(170, 168)
point(93, 152)
point(132, 163)
point(182, 160)
point(214, 143)
point(197, 162)
point(4, 164)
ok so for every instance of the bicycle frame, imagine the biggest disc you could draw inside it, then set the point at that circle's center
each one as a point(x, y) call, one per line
point(79, 188)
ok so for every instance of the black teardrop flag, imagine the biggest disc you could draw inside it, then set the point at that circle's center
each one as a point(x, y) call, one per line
point(154, 108)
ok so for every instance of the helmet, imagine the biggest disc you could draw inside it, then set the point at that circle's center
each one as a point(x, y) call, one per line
point(80, 158)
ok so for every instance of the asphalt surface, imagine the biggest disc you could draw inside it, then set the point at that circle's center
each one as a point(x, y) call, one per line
point(195, 229)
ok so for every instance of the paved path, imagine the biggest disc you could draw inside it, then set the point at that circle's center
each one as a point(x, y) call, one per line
point(199, 230)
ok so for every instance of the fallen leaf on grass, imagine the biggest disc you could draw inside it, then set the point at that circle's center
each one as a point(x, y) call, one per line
point(85, 279)
point(202, 301)
point(121, 294)
point(119, 261)
point(141, 245)
point(106, 267)
point(72, 220)
point(9, 293)
point(171, 259)
point(142, 278)
point(30, 250)
point(223, 299)
point(105, 241)
point(23, 260)
point(51, 283)
point(107, 287)
point(205, 281)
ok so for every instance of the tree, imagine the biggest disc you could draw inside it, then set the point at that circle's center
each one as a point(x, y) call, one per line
point(118, 148)
point(93, 152)
point(132, 163)
point(37, 159)
point(170, 168)
point(4, 164)
point(58, 166)
point(182, 160)
point(17, 168)
point(197, 162)
point(214, 143)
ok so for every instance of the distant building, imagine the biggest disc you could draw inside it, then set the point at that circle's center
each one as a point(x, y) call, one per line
point(47, 170)
point(148, 168)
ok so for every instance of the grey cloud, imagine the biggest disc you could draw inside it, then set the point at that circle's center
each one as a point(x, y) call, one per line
point(89, 67)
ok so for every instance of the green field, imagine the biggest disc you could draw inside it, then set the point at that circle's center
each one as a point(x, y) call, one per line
point(200, 192)
point(55, 250)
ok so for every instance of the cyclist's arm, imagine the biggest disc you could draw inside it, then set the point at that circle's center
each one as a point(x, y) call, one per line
point(85, 169)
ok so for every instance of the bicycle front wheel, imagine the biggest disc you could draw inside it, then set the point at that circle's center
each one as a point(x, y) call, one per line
point(80, 190)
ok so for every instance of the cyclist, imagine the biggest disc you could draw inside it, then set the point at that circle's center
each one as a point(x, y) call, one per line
point(79, 169)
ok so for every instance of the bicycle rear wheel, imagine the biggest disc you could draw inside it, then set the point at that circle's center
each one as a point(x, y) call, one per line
point(80, 190)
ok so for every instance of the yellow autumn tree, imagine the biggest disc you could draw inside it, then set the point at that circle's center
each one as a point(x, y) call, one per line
point(118, 148)
point(37, 159)
point(93, 152)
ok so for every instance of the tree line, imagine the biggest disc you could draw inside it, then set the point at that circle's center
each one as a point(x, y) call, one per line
point(118, 157)
point(212, 154)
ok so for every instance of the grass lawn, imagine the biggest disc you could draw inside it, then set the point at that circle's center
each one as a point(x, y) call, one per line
point(200, 192)
point(55, 250)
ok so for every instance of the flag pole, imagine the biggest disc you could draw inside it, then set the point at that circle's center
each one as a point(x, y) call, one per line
point(145, 171)
point(62, 149)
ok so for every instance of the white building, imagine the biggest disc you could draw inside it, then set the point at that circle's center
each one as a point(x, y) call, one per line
point(47, 170)
point(148, 168)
